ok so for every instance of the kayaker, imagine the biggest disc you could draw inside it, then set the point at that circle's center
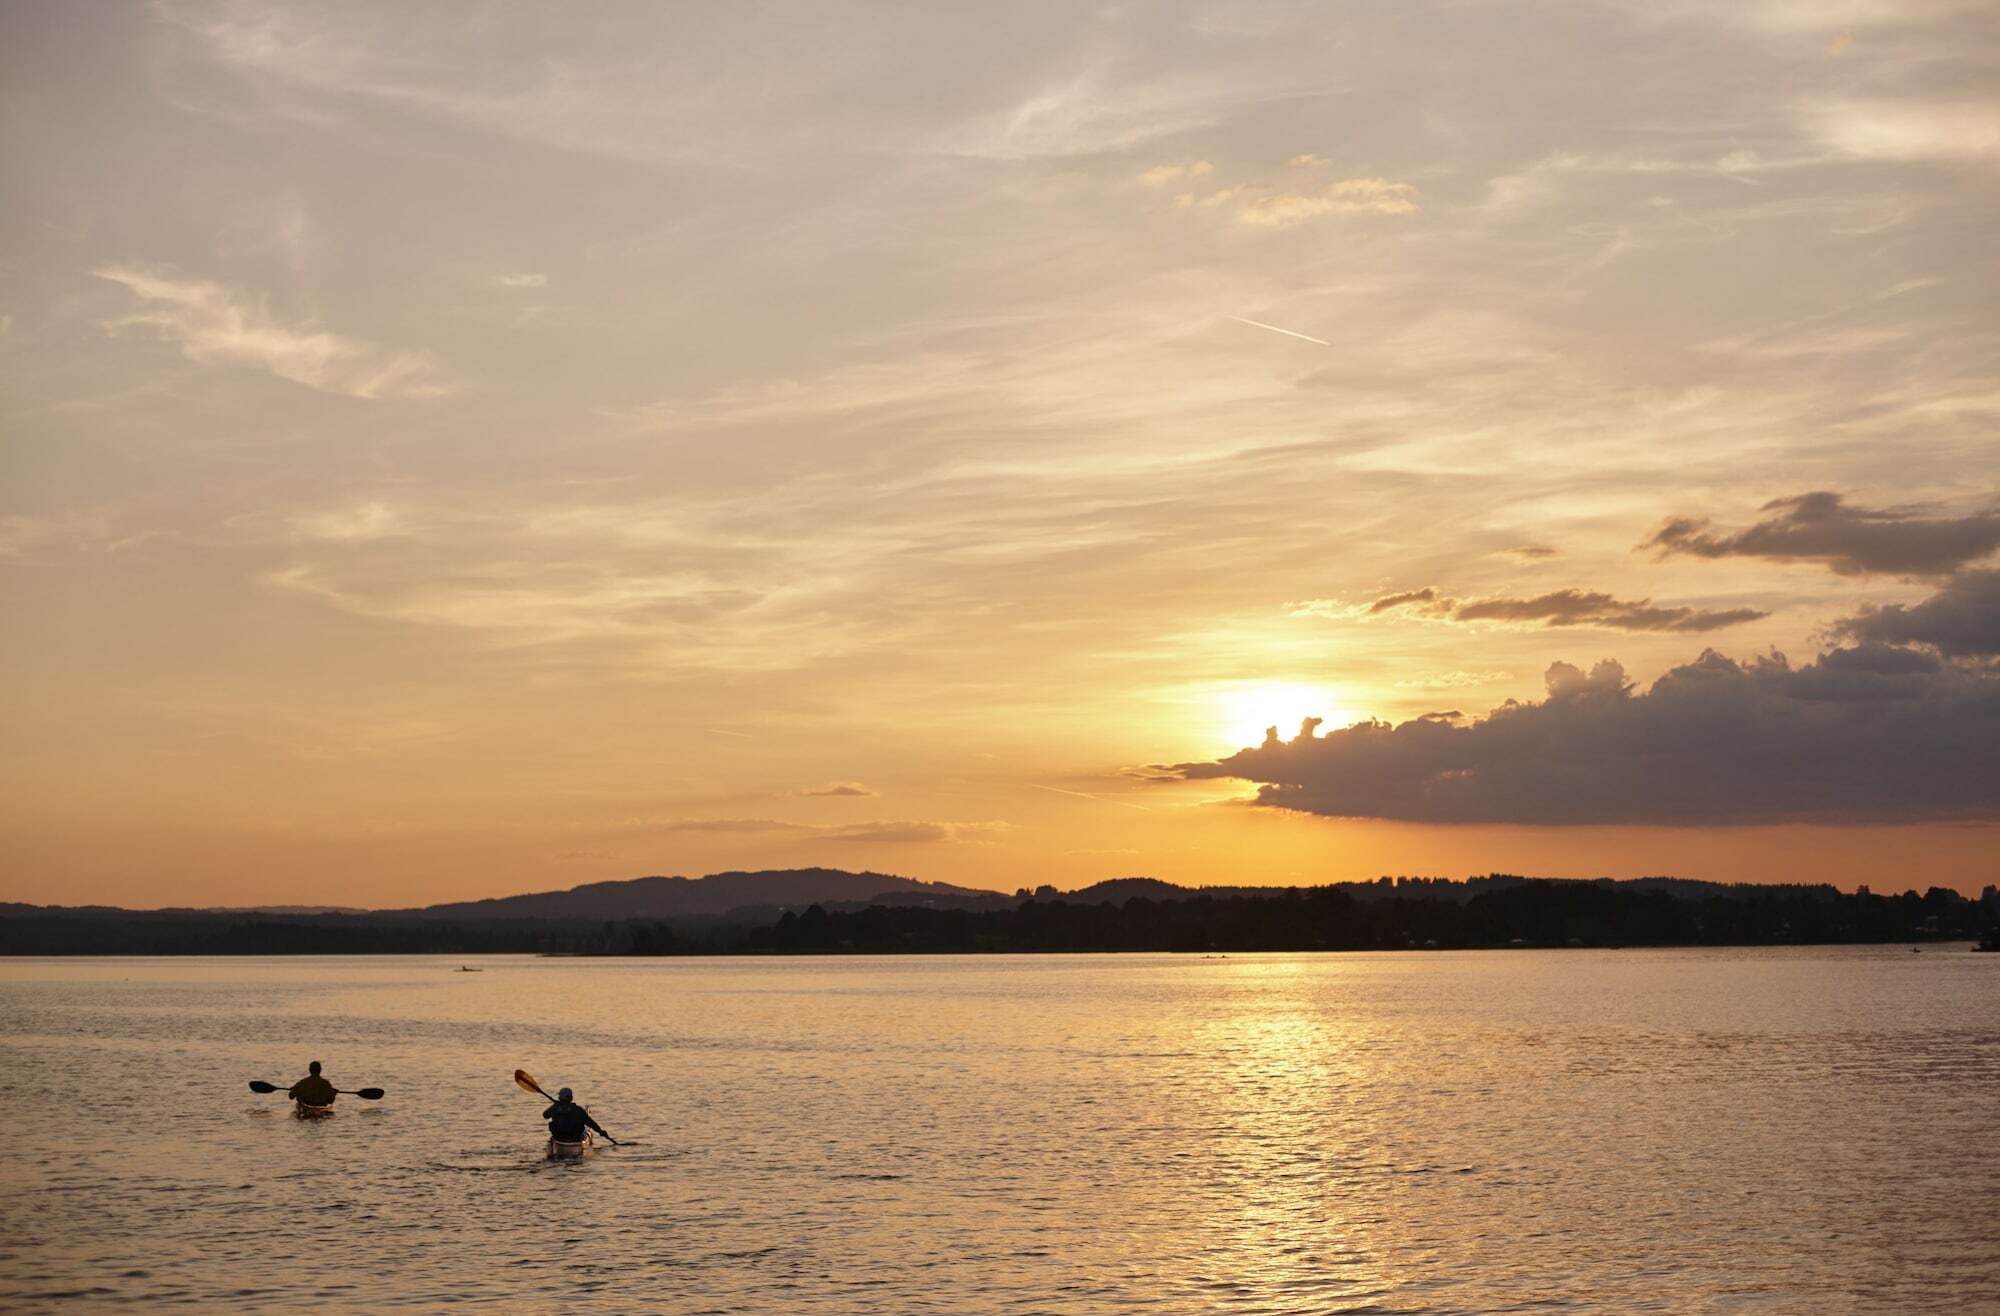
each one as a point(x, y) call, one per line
point(312, 1090)
point(567, 1120)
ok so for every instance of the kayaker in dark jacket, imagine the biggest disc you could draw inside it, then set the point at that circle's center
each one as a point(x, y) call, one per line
point(567, 1120)
point(312, 1089)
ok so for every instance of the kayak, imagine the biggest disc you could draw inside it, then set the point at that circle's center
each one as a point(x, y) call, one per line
point(305, 1110)
point(569, 1151)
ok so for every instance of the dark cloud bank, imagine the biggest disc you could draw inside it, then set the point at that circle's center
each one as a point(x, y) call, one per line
point(1903, 726)
point(1821, 527)
point(1962, 620)
point(1866, 734)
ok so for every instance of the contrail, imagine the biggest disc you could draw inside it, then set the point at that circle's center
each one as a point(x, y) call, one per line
point(1289, 333)
point(1086, 795)
point(740, 735)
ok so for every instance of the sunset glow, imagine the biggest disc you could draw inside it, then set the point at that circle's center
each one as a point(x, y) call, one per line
point(1249, 712)
point(447, 457)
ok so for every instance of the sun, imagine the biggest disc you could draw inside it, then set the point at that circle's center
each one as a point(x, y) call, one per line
point(1244, 711)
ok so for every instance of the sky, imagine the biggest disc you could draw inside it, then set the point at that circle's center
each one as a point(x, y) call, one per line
point(456, 450)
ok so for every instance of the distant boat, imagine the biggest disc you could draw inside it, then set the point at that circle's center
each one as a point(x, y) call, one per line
point(466, 968)
point(1991, 941)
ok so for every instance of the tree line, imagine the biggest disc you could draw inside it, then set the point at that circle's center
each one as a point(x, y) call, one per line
point(1433, 916)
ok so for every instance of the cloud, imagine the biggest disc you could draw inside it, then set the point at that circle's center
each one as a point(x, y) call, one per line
point(215, 326)
point(840, 788)
point(1820, 527)
point(1962, 620)
point(1089, 113)
point(1306, 160)
point(359, 522)
point(644, 588)
point(22, 535)
point(523, 281)
point(917, 833)
point(1167, 173)
point(1866, 734)
point(747, 825)
point(1567, 607)
point(1909, 129)
point(1263, 206)
point(1349, 196)
point(890, 832)
point(893, 833)
point(1452, 680)
point(1392, 601)
point(1529, 552)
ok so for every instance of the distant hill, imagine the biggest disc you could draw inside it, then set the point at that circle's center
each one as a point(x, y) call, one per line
point(280, 909)
point(1118, 890)
point(694, 897)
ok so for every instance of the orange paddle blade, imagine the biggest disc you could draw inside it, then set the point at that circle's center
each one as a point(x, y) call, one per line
point(527, 1080)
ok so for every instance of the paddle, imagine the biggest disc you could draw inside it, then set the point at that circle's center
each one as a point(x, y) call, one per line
point(527, 1083)
point(366, 1094)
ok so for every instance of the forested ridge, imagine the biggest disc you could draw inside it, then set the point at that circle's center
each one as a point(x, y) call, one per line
point(1405, 914)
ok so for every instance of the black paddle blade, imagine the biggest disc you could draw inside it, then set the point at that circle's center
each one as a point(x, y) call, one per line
point(370, 1094)
point(258, 1085)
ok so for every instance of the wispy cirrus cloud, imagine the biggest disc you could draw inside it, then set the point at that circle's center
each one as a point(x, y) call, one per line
point(886, 832)
point(918, 833)
point(752, 826)
point(1269, 207)
point(948, 428)
point(1159, 175)
point(627, 615)
point(1453, 680)
point(1915, 129)
point(214, 325)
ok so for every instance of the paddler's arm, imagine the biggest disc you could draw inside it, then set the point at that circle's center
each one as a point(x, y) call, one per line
point(593, 1123)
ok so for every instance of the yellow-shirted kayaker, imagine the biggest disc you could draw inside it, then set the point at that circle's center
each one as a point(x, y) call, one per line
point(312, 1090)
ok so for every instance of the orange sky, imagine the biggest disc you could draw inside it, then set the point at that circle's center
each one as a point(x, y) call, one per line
point(445, 458)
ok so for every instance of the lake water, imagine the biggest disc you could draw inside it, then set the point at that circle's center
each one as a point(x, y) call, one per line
point(1686, 1131)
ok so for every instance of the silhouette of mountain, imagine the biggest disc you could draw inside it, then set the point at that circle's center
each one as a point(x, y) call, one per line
point(685, 897)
